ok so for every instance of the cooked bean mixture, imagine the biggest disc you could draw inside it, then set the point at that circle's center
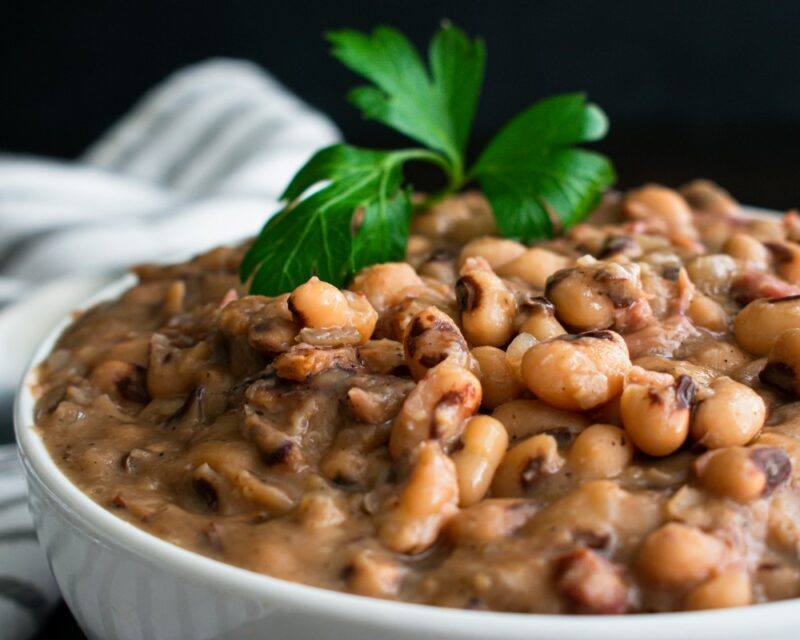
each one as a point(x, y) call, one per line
point(603, 423)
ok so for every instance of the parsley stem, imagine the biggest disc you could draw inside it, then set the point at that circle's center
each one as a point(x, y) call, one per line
point(453, 170)
point(424, 154)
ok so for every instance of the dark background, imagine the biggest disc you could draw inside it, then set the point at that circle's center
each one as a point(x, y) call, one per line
point(692, 88)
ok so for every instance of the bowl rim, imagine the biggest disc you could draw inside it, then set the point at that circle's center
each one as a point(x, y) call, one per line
point(99, 522)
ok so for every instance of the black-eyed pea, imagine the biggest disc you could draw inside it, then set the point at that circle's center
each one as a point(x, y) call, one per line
point(732, 416)
point(707, 196)
point(729, 588)
point(484, 444)
point(599, 295)
point(318, 305)
point(496, 251)
point(778, 581)
point(724, 357)
point(490, 520)
point(712, 274)
point(759, 324)
point(441, 267)
point(487, 306)
point(676, 556)
point(387, 284)
point(662, 208)
point(656, 412)
point(435, 409)
point(618, 247)
point(743, 473)
point(418, 249)
point(767, 229)
point(786, 256)
point(578, 300)
point(651, 243)
point(524, 464)
point(425, 504)
point(708, 313)
point(457, 219)
point(714, 234)
point(431, 338)
point(534, 266)
point(499, 382)
point(600, 451)
point(783, 365)
point(524, 418)
point(577, 372)
point(541, 321)
point(746, 248)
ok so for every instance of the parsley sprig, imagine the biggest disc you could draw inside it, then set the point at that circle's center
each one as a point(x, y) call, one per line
point(349, 207)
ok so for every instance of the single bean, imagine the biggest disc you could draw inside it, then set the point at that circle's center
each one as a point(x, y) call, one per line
point(435, 409)
point(541, 321)
point(746, 248)
point(534, 266)
point(425, 504)
point(598, 295)
point(600, 451)
point(732, 416)
point(431, 338)
point(676, 556)
point(656, 416)
point(524, 464)
point(484, 444)
point(577, 373)
point(743, 474)
point(759, 324)
point(498, 381)
point(487, 306)
point(387, 284)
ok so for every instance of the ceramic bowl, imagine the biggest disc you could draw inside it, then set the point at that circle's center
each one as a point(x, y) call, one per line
point(123, 583)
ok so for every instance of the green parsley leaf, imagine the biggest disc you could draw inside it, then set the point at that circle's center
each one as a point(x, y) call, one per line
point(436, 108)
point(531, 172)
point(347, 207)
point(317, 234)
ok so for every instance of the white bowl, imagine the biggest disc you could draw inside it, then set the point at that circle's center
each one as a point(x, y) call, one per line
point(123, 583)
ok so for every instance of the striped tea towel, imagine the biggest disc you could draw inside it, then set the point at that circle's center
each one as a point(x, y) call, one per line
point(27, 589)
point(200, 161)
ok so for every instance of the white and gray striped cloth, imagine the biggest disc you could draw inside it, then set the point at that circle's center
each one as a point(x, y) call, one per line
point(199, 161)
